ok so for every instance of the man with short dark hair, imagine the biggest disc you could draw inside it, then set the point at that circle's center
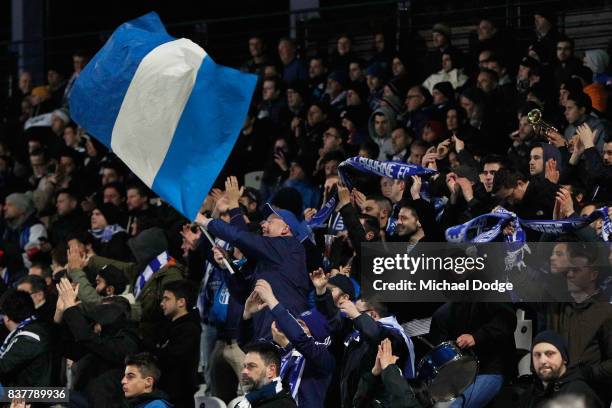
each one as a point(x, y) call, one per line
point(70, 217)
point(37, 288)
point(578, 110)
point(260, 378)
point(178, 348)
point(550, 359)
point(140, 383)
point(529, 198)
point(567, 64)
point(24, 356)
point(258, 57)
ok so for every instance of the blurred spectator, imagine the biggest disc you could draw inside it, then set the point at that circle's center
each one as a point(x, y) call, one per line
point(293, 67)
point(258, 57)
point(24, 354)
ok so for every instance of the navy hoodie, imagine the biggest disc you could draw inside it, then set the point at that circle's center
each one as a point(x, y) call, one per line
point(319, 362)
point(279, 260)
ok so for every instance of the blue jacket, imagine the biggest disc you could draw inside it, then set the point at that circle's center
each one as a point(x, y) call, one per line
point(279, 260)
point(319, 362)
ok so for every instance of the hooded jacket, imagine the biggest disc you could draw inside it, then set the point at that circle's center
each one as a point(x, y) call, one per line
point(383, 142)
point(569, 383)
point(145, 247)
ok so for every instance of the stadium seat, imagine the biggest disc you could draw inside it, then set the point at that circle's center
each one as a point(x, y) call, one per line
point(209, 402)
point(522, 336)
point(234, 403)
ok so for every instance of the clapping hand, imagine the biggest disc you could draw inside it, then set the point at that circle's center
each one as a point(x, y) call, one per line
point(252, 305)
point(319, 280)
point(385, 351)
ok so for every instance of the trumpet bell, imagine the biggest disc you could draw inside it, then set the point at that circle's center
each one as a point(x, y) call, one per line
point(534, 117)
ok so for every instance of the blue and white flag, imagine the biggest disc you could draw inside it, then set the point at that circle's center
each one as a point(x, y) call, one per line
point(164, 107)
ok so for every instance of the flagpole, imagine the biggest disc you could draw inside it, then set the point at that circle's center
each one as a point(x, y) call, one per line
point(212, 242)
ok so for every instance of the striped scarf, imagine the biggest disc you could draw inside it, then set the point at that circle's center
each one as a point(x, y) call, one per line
point(12, 335)
point(163, 259)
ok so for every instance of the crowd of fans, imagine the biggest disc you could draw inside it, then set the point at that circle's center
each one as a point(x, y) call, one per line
point(109, 291)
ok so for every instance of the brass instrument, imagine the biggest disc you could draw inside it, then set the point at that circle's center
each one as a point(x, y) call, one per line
point(534, 117)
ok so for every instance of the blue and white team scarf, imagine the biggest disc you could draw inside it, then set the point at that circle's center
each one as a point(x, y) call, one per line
point(8, 342)
point(291, 370)
point(155, 265)
point(106, 234)
point(488, 227)
point(390, 169)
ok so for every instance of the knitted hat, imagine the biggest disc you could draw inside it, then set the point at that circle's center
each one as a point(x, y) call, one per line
point(376, 70)
point(360, 89)
point(356, 114)
point(299, 87)
point(23, 201)
point(443, 29)
point(111, 213)
point(529, 62)
point(62, 114)
point(339, 76)
point(317, 324)
point(446, 89)
point(554, 338)
point(343, 283)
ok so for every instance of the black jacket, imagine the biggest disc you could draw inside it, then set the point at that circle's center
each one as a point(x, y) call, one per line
point(27, 362)
point(99, 358)
point(389, 390)
point(570, 383)
point(355, 343)
point(281, 400)
point(491, 324)
point(178, 351)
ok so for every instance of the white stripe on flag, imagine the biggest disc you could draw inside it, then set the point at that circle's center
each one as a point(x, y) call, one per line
point(153, 106)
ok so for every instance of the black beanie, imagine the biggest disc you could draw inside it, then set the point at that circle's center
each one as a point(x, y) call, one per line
point(111, 213)
point(113, 277)
point(446, 89)
point(554, 338)
point(343, 283)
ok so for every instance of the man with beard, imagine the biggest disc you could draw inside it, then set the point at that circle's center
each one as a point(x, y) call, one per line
point(260, 378)
point(416, 221)
point(550, 358)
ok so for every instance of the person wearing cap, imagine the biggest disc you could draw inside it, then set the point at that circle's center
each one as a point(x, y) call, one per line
point(375, 79)
point(59, 120)
point(546, 34)
point(550, 360)
point(307, 364)
point(109, 238)
point(335, 91)
point(98, 342)
point(441, 42)
point(356, 330)
point(23, 230)
point(278, 254)
point(526, 65)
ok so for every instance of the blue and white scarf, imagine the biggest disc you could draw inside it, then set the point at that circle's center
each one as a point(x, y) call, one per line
point(265, 392)
point(291, 370)
point(390, 322)
point(106, 234)
point(6, 346)
point(155, 265)
point(390, 169)
point(488, 227)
